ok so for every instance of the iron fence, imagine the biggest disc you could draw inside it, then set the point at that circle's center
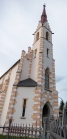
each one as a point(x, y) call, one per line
point(58, 128)
point(20, 132)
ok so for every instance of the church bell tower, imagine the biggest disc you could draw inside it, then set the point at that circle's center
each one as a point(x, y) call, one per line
point(31, 87)
point(46, 96)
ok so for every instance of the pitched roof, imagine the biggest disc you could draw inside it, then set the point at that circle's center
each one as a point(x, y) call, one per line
point(10, 68)
point(27, 83)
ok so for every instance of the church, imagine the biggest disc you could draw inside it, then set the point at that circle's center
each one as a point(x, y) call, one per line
point(28, 89)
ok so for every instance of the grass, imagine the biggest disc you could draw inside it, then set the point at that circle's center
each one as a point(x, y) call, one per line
point(14, 137)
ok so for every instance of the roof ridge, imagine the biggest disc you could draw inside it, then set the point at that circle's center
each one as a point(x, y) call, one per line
point(10, 68)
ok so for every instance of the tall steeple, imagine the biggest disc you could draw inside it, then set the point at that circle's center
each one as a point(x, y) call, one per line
point(43, 16)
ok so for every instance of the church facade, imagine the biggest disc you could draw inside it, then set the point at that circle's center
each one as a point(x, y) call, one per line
point(28, 89)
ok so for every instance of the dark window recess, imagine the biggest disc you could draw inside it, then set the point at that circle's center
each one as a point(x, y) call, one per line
point(47, 36)
point(47, 79)
point(24, 108)
point(35, 52)
point(47, 52)
point(37, 36)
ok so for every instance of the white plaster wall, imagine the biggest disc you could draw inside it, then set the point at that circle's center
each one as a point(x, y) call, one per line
point(34, 68)
point(8, 94)
point(36, 45)
point(47, 60)
point(24, 92)
point(25, 69)
point(39, 30)
point(47, 29)
point(47, 44)
point(1, 80)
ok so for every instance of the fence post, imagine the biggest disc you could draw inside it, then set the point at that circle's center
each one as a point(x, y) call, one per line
point(8, 133)
point(10, 121)
point(3, 129)
point(64, 122)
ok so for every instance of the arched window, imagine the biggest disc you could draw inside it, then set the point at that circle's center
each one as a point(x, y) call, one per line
point(37, 36)
point(47, 36)
point(47, 78)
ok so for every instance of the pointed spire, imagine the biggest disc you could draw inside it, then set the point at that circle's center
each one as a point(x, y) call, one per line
point(43, 16)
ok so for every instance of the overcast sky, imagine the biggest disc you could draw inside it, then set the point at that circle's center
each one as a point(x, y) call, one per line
point(18, 21)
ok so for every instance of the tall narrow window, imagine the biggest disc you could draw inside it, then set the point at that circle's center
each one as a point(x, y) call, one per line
point(37, 36)
point(47, 78)
point(47, 36)
point(47, 52)
point(35, 53)
point(24, 107)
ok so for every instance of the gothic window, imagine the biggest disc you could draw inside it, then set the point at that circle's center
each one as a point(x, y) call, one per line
point(24, 107)
point(37, 36)
point(47, 78)
point(47, 36)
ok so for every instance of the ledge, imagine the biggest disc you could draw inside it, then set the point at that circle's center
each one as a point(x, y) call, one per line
point(22, 117)
point(43, 38)
point(48, 90)
point(14, 84)
point(18, 72)
point(44, 27)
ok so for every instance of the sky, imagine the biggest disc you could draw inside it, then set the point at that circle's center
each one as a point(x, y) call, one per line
point(19, 20)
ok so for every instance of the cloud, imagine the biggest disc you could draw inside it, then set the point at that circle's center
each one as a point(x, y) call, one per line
point(63, 90)
point(59, 78)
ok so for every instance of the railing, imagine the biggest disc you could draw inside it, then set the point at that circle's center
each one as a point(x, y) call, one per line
point(58, 128)
point(20, 132)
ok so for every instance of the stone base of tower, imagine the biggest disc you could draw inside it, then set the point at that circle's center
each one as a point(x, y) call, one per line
point(45, 105)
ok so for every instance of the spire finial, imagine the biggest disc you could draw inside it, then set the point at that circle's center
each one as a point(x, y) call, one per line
point(44, 5)
point(44, 16)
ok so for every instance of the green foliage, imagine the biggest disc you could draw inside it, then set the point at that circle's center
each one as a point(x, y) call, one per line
point(61, 105)
point(14, 137)
point(66, 107)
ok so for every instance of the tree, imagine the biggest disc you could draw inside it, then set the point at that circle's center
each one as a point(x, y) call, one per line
point(61, 105)
point(66, 107)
